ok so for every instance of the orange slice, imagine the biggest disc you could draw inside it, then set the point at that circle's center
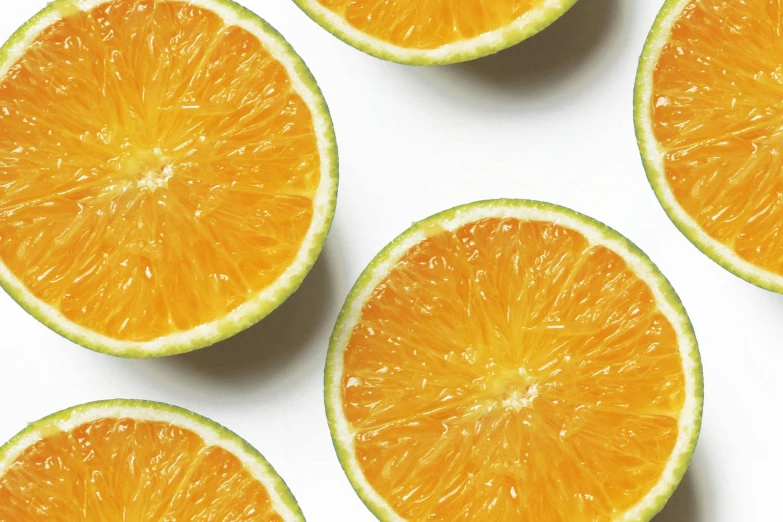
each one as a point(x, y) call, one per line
point(135, 460)
point(169, 172)
point(433, 32)
point(513, 360)
point(708, 122)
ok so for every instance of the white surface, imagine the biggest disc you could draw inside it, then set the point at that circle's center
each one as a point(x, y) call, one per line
point(550, 119)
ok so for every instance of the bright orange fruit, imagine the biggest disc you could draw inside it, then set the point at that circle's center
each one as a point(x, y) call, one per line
point(707, 115)
point(513, 361)
point(444, 31)
point(431, 24)
point(165, 164)
point(132, 460)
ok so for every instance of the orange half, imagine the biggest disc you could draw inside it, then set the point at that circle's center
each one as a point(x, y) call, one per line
point(420, 32)
point(167, 171)
point(708, 117)
point(513, 360)
point(134, 460)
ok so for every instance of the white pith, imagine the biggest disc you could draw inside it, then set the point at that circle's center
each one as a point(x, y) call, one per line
point(71, 419)
point(323, 203)
point(689, 420)
point(654, 155)
point(526, 25)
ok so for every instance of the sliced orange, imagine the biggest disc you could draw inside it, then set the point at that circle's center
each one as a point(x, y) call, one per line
point(168, 172)
point(428, 32)
point(708, 121)
point(134, 460)
point(513, 360)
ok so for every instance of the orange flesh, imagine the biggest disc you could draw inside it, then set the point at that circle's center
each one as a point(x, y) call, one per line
point(718, 114)
point(513, 370)
point(429, 24)
point(113, 470)
point(156, 168)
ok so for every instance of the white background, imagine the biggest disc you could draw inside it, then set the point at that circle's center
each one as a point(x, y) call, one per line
point(550, 119)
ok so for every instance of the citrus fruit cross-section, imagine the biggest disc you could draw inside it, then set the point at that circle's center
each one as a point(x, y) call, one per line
point(513, 360)
point(132, 461)
point(420, 32)
point(168, 172)
point(708, 119)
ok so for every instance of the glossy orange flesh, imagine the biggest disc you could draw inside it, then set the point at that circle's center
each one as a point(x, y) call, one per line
point(156, 168)
point(718, 114)
point(429, 24)
point(114, 470)
point(512, 369)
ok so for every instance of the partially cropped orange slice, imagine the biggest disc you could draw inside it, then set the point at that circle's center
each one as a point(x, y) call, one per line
point(420, 32)
point(708, 118)
point(513, 360)
point(137, 461)
point(168, 171)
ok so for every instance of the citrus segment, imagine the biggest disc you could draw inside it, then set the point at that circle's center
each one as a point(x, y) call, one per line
point(162, 166)
point(709, 105)
point(120, 467)
point(412, 31)
point(511, 366)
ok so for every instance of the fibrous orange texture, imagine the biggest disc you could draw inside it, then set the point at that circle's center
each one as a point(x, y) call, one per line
point(512, 369)
point(717, 111)
point(113, 470)
point(157, 169)
point(428, 24)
